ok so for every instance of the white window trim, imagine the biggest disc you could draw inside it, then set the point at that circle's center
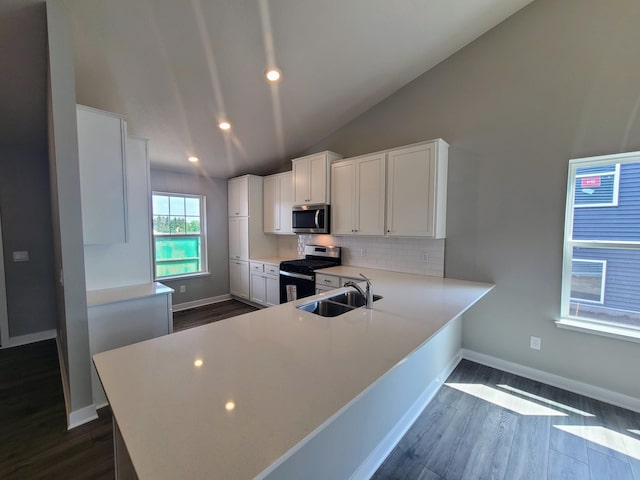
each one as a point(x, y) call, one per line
point(602, 281)
point(203, 235)
point(566, 321)
point(616, 188)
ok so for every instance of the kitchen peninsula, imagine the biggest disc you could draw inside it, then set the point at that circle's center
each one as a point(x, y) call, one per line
point(283, 393)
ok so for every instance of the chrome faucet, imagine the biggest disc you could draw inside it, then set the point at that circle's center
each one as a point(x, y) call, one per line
point(368, 295)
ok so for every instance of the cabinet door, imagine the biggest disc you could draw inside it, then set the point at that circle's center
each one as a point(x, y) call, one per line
point(318, 179)
point(369, 195)
point(343, 194)
point(301, 194)
point(411, 193)
point(258, 288)
point(239, 238)
point(101, 151)
point(273, 290)
point(271, 204)
point(239, 278)
point(238, 197)
point(286, 202)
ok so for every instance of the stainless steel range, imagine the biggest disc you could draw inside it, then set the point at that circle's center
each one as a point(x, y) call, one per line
point(299, 275)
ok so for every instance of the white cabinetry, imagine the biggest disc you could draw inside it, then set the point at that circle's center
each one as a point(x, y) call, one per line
point(239, 278)
point(265, 283)
point(246, 234)
point(278, 199)
point(311, 180)
point(121, 316)
point(101, 150)
point(358, 195)
point(239, 238)
point(417, 190)
point(238, 193)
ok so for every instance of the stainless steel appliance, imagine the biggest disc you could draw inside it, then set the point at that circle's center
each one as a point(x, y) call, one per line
point(310, 218)
point(299, 275)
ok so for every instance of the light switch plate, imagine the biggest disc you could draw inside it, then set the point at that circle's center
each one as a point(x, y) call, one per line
point(22, 256)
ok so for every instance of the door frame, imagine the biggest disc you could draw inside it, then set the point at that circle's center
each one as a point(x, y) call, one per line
point(4, 318)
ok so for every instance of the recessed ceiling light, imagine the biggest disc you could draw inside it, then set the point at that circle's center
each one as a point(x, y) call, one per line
point(193, 159)
point(224, 125)
point(229, 406)
point(273, 74)
point(198, 362)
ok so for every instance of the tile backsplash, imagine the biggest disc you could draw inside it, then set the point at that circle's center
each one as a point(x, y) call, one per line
point(422, 256)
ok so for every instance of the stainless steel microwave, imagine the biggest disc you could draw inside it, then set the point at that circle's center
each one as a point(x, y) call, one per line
point(310, 219)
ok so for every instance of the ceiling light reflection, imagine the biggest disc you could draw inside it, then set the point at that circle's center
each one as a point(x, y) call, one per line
point(193, 159)
point(198, 362)
point(272, 74)
point(230, 406)
point(224, 125)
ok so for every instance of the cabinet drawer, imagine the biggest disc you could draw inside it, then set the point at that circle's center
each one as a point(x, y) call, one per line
point(327, 280)
point(256, 267)
point(272, 269)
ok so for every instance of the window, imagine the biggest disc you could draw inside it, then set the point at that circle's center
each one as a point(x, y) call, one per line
point(179, 242)
point(601, 269)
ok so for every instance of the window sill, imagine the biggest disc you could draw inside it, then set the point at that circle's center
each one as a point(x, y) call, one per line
point(182, 277)
point(612, 331)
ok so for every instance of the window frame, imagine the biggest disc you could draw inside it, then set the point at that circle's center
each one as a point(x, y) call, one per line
point(583, 324)
point(202, 235)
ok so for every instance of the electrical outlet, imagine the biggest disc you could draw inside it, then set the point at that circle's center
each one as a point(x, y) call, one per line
point(183, 289)
point(535, 343)
point(425, 257)
point(363, 252)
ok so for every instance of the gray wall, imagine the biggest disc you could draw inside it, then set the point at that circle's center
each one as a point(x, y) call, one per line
point(558, 80)
point(215, 191)
point(26, 222)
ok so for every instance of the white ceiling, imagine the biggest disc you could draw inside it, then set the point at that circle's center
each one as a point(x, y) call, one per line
point(176, 67)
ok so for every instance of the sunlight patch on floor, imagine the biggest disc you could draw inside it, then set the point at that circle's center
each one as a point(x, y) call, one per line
point(546, 400)
point(605, 437)
point(505, 400)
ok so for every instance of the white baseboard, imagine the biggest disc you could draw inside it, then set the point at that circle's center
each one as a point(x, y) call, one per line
point(30, 338)
point(178, 307)
point(389, 442)
point(81, 416)
point(598, 393)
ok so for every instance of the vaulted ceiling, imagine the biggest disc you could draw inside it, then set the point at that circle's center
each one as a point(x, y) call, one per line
point(177, 68)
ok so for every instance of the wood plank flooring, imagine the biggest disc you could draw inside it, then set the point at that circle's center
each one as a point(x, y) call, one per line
point(485, 423)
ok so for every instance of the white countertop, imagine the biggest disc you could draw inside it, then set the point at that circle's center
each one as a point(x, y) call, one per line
point(286, 371)
point(270, 260)
point(123, 294)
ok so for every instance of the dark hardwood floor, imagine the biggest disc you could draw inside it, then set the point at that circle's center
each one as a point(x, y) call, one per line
point(483, 423)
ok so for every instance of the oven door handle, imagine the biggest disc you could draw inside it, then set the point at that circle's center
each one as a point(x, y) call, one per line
point(297, 275)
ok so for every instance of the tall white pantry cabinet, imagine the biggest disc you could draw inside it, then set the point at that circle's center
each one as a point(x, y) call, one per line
point(246, 234)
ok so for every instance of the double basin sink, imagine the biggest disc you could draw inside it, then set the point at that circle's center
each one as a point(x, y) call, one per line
point(337, 305)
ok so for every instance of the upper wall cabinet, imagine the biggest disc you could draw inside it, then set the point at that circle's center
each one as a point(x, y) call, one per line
point(278, 199)
point(358, 195)
point(417, 190)
point(311, 180)
point(239, 197)
point(101, 149)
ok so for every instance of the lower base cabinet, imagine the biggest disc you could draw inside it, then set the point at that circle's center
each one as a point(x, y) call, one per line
point(265, 284)
point(239, 278)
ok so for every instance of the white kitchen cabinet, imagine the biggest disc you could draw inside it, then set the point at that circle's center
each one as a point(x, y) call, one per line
point(265, 283)
point(278, 199)
point(358, 195)
point(121, 316)
point(238, 196)
point(239, 278)
point(311, 178)
point(239, 238)
point(103, 185)
point(417, 190)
